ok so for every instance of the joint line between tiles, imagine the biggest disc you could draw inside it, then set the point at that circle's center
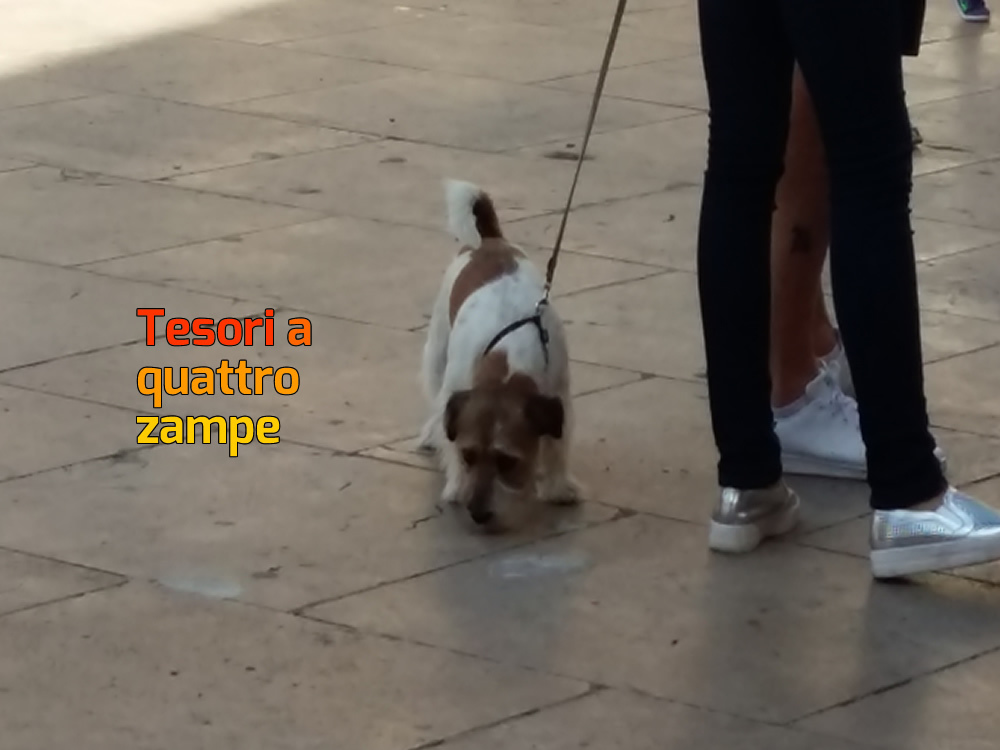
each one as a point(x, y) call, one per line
point(70, 597)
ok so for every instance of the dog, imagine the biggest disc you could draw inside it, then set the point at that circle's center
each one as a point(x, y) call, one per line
point(496, 373)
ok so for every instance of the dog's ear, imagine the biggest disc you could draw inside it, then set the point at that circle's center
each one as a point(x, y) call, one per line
point(452, 410)
point(546, 415)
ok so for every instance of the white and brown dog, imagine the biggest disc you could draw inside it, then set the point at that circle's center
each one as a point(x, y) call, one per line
point(496, 373)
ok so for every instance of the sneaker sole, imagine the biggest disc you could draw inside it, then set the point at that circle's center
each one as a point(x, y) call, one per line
point(743, 538)
point(816, 467)
point(974, 19)
point(927, 558)
point(808, 466)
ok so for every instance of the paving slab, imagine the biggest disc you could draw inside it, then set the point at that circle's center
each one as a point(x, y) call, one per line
point(957, 195)
point(358, 386)
point(648, 326)
point(957, 132)
point(304, 19)
point(676, 24)
point(402, 182)
point(10, 165)
point(967, 284)
point(141, 138)
point(344, 267)
point(954, 708)
point(27, 581)
point(679, 82)
point(82, 311)
point(961, 123)
point(937, 239)
point(618, 720)
point(32, 89)
point(946, 336)
point(660, 229)
point(971, 57)
point(500, 50)
point(924, 89)
point(103, 217)
point(641, 603)
point(40, 432)
point(173, 67)
point(667, 155)
point(962, 392)
point(280, 526)
point(553, 12)
point(456, 110)
point(37, 35)
point(154, 668)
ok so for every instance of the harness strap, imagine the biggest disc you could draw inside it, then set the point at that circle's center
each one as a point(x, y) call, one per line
point(536, 321)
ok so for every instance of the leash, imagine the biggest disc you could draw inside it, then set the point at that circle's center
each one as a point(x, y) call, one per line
point(550, 270)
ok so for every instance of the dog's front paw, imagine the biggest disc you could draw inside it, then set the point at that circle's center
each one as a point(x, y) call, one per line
point(450, 494)
point(427, 442)
point(561, 491)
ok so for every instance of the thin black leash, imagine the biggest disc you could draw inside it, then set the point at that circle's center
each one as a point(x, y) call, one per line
point(550, 270)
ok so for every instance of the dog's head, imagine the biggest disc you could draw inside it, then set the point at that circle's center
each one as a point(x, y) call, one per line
point(497, 429)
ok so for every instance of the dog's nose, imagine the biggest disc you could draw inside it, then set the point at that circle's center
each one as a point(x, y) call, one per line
point(482, 516)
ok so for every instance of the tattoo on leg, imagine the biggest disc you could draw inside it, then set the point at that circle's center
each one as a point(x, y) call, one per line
point(801, 240)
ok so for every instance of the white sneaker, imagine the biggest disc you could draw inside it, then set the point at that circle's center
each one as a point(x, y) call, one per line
point(836, 362)
point(820, 434)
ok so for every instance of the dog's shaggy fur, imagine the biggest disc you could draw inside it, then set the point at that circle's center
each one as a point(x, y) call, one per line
point(501, 422)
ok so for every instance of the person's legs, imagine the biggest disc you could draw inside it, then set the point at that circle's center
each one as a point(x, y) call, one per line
point(854, 74)
point(816, 422)
point(747, 129)
point(873, 266)
point(748, 123)
point(800, 232)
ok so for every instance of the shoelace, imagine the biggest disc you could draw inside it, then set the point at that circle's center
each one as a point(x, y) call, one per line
point(835, 401)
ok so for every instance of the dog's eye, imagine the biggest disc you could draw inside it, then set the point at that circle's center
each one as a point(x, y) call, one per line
point(506, 463)
point(470, 457)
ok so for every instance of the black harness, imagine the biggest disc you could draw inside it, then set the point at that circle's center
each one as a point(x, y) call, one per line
point(532, 320)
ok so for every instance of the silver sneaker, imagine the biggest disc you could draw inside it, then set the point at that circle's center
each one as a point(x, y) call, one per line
point(962, 531)
point(744, 518)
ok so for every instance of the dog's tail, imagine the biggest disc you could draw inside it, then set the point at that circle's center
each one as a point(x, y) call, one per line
point(471, 215)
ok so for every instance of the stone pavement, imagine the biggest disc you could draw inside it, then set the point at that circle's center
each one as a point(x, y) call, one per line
point(221, 157)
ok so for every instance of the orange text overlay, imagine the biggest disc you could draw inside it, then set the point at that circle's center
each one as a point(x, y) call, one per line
point(228, 331)
point(225, 380)
point(178, 430)
point(206, 381)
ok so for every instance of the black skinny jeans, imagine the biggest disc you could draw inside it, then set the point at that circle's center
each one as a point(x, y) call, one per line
point(850, 56)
